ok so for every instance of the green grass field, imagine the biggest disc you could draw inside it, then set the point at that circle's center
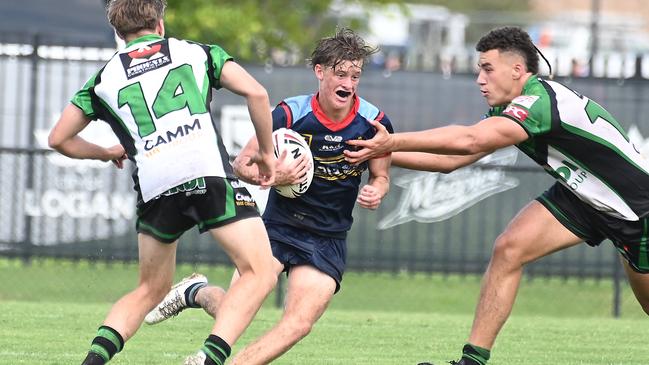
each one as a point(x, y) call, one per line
point(49, 312)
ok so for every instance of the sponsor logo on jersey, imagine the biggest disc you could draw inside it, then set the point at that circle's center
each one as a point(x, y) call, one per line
point(170, 136)
point(146, 58)
point(331, 147)
point(243, 199)
point(336, 168)
point(330, 138)
point(572, 175)
point(196, 186)
point(525, 100)
point(516, 112)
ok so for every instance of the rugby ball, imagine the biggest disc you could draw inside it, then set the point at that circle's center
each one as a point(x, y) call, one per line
point(296, 146)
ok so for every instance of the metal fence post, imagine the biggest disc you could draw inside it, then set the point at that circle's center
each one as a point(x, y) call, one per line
point(279, 297)
point(617, 288)
point(32, 96)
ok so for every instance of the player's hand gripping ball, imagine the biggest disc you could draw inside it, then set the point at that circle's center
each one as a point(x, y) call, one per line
point(296, 146)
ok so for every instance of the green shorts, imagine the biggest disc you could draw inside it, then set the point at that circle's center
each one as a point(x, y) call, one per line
point(593, 226)
point(208, 202)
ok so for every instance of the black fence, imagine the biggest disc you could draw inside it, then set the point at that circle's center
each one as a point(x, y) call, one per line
point(57, 207)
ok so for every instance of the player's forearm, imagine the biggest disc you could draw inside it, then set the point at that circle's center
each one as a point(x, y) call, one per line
point(79, 148)
point(423, 161)
point(259, 108)
point(381, 183)
point(449, 140)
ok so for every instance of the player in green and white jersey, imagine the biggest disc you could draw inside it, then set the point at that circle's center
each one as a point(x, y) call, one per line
point(602, 188)
point(156, 94)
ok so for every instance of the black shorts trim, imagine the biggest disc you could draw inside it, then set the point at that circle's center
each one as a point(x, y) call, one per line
point(562, 218)
point(630, 238)
point(214, 203)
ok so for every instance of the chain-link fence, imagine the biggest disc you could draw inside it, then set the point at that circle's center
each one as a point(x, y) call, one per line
point(57, 207)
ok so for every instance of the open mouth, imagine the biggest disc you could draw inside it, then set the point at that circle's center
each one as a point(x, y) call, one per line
point(343, 94)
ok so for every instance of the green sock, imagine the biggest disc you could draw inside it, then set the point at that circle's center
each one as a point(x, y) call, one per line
point(107, 343)
point(476, 354)
point(216, 349)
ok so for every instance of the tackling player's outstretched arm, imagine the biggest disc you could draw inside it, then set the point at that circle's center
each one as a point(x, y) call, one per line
point(487, 135)
point(423, 161)
point(64, 138)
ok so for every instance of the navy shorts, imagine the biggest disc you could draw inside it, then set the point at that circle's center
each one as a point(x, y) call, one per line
point(294, 247)
point(208, 202)
point(631, 238)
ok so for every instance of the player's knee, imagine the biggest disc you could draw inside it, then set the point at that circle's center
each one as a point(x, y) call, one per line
point(507, 250)
point(266, 280)
point(269, 281)
point(154, 290)
point(299, 329)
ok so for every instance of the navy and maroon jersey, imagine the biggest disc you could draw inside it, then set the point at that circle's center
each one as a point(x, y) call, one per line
point(326, 207)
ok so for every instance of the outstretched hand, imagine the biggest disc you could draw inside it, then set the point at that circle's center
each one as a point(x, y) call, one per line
point(379, 145)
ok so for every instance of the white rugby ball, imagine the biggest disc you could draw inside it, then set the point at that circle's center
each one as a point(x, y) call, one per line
point(296, 146)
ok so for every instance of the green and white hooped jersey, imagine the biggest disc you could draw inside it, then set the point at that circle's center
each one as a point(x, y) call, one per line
point(582, 145)
point(155, 94)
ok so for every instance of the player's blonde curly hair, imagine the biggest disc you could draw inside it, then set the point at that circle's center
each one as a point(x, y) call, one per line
point(131, 16)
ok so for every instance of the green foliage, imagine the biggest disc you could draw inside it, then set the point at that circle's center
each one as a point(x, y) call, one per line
point(250, 30)
point(472, 6)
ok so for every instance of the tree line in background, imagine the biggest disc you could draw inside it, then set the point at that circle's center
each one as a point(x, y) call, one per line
point(256, 30)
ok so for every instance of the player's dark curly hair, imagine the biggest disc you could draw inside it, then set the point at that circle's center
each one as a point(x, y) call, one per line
point(345, 45)
point(511, 39)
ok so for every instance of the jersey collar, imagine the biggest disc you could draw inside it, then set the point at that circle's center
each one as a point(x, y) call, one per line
point(144, 38)
point(531, 81)
point(330, 124)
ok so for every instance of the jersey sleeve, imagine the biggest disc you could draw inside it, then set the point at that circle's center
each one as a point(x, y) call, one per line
point(532, 112)
point(219, 57)
point(282, 116)
point(83, 99)
point(385, 121)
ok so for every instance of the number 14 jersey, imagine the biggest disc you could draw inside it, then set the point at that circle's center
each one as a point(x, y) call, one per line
point(155, 94)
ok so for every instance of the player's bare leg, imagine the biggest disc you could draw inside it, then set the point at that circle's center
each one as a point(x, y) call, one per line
point(639, 284)
point(532, 234)
point(210, 297)
point(308, 295)
point(157, 263)
point(246, 242)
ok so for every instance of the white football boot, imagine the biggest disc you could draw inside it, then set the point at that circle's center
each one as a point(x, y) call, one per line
point(174, 302)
